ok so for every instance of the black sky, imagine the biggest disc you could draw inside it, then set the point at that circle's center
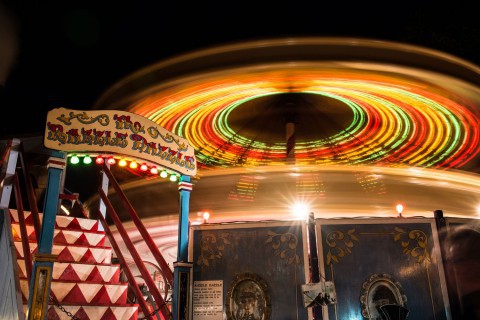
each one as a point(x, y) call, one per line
point(66, 53)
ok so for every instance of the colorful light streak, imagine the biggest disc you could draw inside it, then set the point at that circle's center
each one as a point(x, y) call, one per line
point(396, 121)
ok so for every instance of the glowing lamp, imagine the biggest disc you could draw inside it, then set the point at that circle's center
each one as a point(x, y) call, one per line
point(87, 160)
point(133, 165)
point(301, 210)
point(206, 216)
point(111, 161)
point(74, 160)
point(99, 160)
point(122, 163)
point(144, 167)
point(173, 177)
point(163, 174)
point(399, 208)
point(153, 170)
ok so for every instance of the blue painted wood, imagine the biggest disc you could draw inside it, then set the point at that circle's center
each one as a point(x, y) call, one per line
point(275, 251)
point(54, 186)
point(182, 282)
point(51, 205)
point(402, 249)
point(182, 254)
point(180, 310)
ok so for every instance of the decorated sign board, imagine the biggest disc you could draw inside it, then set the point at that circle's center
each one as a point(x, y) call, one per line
point(118, 132)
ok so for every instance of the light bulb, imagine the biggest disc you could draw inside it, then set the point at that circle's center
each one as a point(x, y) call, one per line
point(399, 208)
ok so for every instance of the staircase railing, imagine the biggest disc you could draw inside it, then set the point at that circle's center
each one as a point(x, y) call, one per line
point(167, 272)
point(76, 203)
point(19, 204)
point(32, 203)
point(161, 304)
point(10, 300)
point(23, 228)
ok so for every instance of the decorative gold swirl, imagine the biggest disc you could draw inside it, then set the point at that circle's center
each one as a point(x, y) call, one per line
point(419, 251)
point(155, 133)
point(82, 117)
point(284, 245)
point(211, 248)
point(340, 244)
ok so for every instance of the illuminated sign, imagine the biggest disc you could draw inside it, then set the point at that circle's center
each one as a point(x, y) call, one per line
point(118, 132)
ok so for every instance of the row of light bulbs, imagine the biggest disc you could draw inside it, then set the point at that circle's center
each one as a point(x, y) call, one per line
point(86, 159)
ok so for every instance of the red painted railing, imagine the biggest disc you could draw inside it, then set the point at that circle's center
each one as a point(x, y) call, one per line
point(23, 228)
point(141, 228)
point(167, 272)
point(161, 305)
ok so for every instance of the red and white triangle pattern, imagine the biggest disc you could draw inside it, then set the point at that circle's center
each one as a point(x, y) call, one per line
point(66, 236)
point(83, 292)
point(84, 282)
point(126, 312)
point(72, 253)
point(69, 271)
point(65, 222)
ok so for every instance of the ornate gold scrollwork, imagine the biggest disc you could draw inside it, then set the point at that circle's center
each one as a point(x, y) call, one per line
point(340, 244)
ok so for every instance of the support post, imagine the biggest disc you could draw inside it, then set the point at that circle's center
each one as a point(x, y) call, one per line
point(182, 278)
point(443, 233)
point(39, 291)
point(314, 270)
point(290, 138)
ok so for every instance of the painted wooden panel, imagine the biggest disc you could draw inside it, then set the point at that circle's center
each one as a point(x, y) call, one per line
point(270, 256)
point(375, 262)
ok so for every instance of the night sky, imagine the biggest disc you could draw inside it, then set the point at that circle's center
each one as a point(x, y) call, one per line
point(66, 53)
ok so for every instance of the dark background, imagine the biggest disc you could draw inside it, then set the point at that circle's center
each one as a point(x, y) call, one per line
point(66, 53)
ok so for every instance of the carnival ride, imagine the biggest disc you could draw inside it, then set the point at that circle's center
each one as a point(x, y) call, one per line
point(349, 126)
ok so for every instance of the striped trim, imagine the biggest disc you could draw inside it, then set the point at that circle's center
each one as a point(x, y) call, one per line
point(56, 163)
point(185, 186)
